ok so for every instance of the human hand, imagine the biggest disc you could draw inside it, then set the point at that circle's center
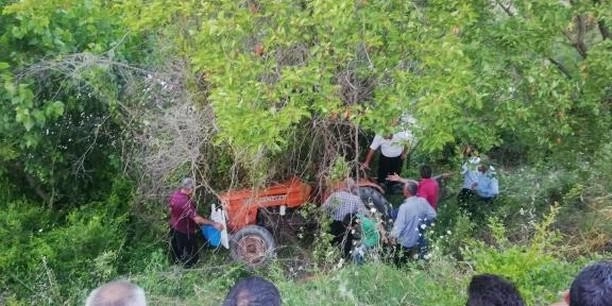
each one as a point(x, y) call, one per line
point(364, 166)
point(394, 177)
point(219, 226)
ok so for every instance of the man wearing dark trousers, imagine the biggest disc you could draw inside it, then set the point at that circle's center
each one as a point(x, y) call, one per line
point(341, 205)
point(184, 222)
point(393, 151)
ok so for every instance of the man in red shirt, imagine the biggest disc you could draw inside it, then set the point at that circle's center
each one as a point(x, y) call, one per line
point(428, 188)
point(184, 222)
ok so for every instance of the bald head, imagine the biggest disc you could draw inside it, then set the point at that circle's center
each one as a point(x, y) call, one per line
point(117, 293)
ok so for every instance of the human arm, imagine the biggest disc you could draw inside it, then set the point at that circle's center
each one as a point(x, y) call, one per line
point(494, 187)
point(399, 223)
point(409, 142)
point(368, 159)
point(202, 221)
point(464, 168)
point(442, 176)
point(396, 178)
point(376, 142)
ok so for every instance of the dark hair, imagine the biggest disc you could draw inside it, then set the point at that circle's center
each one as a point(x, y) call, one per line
point(593, 286)
point(349, 220)
point(411, 187)
point(253, 291)
point(492, 290)
point(425, 171)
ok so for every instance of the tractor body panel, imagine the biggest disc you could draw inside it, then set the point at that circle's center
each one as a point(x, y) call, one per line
point(242, 205)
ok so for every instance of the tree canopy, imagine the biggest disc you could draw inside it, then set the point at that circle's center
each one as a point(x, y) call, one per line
point(490, 73)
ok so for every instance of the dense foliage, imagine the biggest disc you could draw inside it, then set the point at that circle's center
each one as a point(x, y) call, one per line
point(104, 105)
point(469, 71)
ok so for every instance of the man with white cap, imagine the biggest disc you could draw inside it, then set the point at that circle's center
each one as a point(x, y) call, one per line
point(184, 222)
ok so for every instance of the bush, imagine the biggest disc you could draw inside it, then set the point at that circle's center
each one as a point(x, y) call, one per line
point(538, 273)
point(49, 259)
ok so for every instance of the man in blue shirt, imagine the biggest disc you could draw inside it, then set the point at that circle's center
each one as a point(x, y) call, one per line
point(486, 187)
point(413, 217)
point(469, 171)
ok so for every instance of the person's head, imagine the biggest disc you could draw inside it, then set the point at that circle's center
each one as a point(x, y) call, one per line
point(484, 166)
point(492, 290)
point(253, 291)
point(592, 286)
point(468, 150)
point(117, 293)
point(410, 189)
point(187, 185)
point(350, 185)
point(425, 171)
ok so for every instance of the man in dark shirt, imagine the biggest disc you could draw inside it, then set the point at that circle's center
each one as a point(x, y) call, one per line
point(253, 291)
point(184, 222)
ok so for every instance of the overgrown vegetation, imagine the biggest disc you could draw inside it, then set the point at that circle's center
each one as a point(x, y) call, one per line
point(104, 107)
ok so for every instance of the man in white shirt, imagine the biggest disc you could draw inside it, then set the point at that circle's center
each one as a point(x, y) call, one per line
point(393, 149)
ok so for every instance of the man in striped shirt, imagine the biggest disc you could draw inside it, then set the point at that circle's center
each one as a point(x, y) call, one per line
point(341, 204)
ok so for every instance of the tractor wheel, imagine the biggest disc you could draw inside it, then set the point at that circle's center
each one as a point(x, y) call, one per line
point(253, 245)
point(372, 197)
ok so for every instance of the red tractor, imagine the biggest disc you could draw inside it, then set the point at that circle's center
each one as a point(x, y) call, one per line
point(251, 240)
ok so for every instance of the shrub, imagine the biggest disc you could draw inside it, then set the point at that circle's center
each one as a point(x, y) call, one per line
point(49, 259)
point(538, 273)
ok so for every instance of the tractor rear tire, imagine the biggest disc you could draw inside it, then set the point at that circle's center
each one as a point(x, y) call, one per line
point(253, 245)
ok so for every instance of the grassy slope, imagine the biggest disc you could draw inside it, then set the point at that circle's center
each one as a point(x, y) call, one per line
point(443, 281)
point(540, 270)
point(373, 284)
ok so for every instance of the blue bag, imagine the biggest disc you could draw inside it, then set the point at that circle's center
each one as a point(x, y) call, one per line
point(211, 234)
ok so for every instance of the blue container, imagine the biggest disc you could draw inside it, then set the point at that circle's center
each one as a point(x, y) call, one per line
point(211, 234)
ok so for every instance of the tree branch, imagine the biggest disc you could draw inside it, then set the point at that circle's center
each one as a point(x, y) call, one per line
point(505, 8)
point(37, 188)
point(552, 60)
point(561, 68)
point(579, 43)
point(603, 29)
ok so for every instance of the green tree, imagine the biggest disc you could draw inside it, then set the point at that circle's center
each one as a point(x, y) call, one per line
point(469, 71)
point(58, 104)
